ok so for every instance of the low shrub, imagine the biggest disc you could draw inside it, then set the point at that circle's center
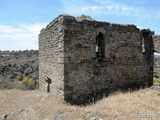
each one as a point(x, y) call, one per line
point(156, 80)
point(29, 82)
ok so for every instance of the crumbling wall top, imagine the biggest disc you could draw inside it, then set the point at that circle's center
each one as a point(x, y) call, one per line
point(59, 19)
point(147, 31)
point(65, 19)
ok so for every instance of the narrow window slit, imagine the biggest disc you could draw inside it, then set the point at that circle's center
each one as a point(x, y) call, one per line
point(100, 54)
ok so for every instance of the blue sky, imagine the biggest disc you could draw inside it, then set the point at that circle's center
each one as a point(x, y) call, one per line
point(22, 20)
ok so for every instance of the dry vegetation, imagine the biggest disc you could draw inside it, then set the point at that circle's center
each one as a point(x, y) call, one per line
point(16, 66)
point(38, 105)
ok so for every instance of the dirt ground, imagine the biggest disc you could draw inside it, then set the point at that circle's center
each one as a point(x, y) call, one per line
point(38, 105)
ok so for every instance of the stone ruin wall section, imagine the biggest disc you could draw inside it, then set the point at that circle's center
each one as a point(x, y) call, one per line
point(51, 58)
point(156, 39)
point(67, 55)
point(124, 64)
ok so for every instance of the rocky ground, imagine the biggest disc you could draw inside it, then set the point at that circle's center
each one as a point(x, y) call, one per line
point(15, 66)
point(38, 105)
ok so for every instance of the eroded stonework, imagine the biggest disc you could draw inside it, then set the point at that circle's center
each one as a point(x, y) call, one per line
point(87, 59)
point(156, 39)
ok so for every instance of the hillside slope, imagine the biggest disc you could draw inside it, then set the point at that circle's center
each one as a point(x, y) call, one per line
point(38, 105)
point(15, 66)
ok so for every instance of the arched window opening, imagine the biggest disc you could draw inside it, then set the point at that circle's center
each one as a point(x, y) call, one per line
point(100, 46)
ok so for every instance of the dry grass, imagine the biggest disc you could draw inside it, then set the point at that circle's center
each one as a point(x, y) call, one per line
point(143, 104)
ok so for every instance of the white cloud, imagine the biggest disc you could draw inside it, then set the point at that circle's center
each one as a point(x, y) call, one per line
point(8, 29)
point(118, 10)
point(104, 7)
point(139, 12)
point(20, 37)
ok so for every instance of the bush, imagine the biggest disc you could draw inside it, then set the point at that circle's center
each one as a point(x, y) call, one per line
point(156, 80)
point(29, 82)
point(25, 80)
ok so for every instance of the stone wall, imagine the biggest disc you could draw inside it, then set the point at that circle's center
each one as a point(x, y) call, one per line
point(157, 67)
point(50, 55)
point(87, 59)
point(156, 39)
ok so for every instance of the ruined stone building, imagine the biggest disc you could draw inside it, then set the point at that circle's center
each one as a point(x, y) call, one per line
point(156, 40)
point(83, 60)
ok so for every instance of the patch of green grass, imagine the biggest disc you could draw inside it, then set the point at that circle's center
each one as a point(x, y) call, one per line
point(156, 80)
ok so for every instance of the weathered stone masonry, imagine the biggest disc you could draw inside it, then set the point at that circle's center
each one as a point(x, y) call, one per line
point(86, 59)
point(156, 39)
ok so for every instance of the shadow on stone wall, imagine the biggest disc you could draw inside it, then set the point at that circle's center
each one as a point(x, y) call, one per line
point(92, 98)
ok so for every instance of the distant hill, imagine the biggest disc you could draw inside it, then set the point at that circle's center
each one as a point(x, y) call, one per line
point(16, 67)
